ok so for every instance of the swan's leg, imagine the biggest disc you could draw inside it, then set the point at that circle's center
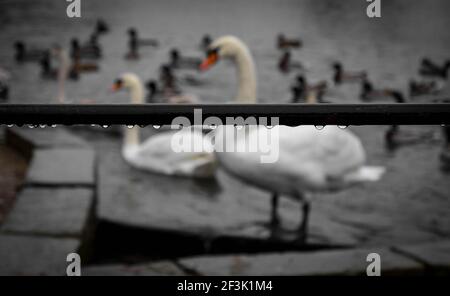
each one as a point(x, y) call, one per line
point(275, 219)
point(305, 208)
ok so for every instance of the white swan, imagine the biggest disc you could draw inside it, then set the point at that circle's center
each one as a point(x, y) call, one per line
point(309, 160)
point(156, 154)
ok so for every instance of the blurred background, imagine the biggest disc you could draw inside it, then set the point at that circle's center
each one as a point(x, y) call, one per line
point(66, 189)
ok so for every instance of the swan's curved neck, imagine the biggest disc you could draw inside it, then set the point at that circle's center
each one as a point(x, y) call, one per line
point(246, 75)
point(136, 92)
point(63, 72)
point(137, 97)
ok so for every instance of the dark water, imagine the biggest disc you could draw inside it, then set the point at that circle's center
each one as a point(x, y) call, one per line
point(389, 48)
point(411, 203)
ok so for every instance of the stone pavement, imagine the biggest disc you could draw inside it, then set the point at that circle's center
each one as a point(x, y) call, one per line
point(54, 211)
point(428, 259)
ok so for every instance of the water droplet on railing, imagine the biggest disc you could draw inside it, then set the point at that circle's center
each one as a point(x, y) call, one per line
point(156, 126)
point(10, 125)
point(32, 126)
point(53, 126)
point(320, 127)
point(342, 126)
point(130, 126)
point(105, 126)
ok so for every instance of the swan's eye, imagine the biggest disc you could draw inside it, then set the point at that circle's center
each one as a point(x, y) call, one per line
point(212, 52)
point(118, 84)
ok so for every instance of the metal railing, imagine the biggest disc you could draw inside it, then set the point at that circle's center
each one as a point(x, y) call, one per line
point(288, 114)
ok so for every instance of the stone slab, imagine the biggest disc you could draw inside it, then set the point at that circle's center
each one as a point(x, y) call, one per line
point(54, 211)
point(433, 254)
point(27, 255)
point(26, 140)
point(212, 208)
point(163, 268)
point(48, 137)
point(320, 263)
point(61, 167)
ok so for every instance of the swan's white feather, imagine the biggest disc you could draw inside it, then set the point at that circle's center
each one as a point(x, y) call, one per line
point(309, 159)
point(157, 155)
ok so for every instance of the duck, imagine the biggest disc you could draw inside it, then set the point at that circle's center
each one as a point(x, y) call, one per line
point(24, 54)
point(79, 66)
point(205, 42)
point(418, 88)
point(156, 154)
point(167, 78)
point(101, 27)
point(394, 136)
point(286, 64)
point(48, 72)
point(369, 93)
point(135, 42)
point(91, 49)
point(309, 160)
point(4, 88)
point(177, 61)
point(61, 73)
point(341, 76)
point(309, 93)
point(284, 43)
point(171, 96)
point(429, 68)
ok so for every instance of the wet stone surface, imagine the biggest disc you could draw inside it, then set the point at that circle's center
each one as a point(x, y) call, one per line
point(61, 212)
point(28, 255)
point(62, 166)
point(44, 137)
point(433, 254)
point(345, 262)
point(163, 268)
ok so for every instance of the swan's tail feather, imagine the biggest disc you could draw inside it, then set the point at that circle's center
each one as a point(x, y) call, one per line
point(367, 174)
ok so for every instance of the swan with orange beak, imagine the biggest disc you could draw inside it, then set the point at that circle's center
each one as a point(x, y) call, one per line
point(310, 160)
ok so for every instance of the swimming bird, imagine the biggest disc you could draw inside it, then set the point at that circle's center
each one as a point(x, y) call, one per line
point(341, 76)
point(286, 64)
point(177, 61)
point(205, 42)
point(310, 93)
point(369, 93)
point(429, 68)
point(25, 54)
point(156, 154)
point(101, 27)
point(284, 43)
point(418, 88)
point(135, 42)
point(4, 88)
point(172, 96)
point(90, 50)
point(310, 160)
point(50, 72)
